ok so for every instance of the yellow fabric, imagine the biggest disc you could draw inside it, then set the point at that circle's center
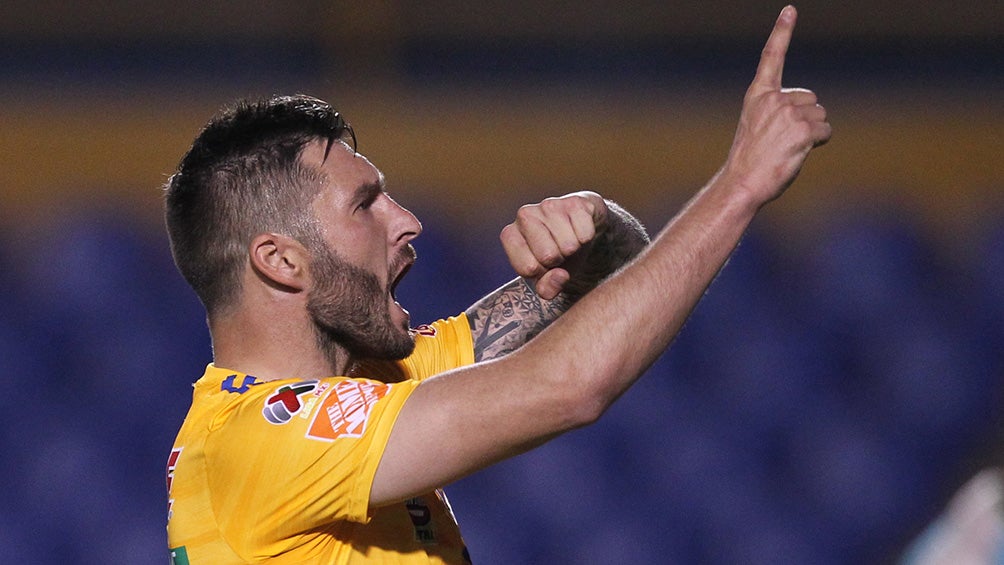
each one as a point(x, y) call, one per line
point(281, 471)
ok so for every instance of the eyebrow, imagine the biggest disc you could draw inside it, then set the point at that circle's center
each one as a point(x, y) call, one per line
point(368, 190)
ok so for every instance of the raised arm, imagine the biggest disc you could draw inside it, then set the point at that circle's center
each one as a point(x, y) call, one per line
point(562, 248)
point(566, 377)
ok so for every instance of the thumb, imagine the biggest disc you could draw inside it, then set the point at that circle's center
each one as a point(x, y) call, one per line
point(551, 283)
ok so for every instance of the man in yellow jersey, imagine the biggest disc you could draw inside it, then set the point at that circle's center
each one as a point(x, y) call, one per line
point(325, 426)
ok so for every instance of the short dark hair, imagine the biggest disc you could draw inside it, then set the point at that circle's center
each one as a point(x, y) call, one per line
point(241, 177)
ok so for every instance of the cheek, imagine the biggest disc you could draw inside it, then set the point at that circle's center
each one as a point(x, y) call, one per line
point(364, 248)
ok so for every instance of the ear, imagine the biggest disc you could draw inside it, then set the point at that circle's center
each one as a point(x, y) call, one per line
point(279, 260)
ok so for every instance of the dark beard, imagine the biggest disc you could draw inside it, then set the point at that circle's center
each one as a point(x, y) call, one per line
point(349, 309)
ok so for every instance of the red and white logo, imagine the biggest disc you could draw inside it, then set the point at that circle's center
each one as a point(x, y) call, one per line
point(285, 402)
point(346, 410)
point(426, 330)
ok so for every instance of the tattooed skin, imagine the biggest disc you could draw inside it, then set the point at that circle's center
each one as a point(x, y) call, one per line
point(509, 317)
point(512, 315)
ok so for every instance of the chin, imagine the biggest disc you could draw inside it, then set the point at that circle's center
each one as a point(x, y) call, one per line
point(394, 352)
point(396, 347)
point(410, 349)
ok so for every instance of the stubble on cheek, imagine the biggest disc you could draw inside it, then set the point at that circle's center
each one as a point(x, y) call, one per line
point(351, 308)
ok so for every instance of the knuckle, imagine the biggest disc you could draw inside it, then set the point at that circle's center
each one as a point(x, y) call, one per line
point(569, 247)
point(529, 268)
point(508, 233)
point(526, 210)
point(770, 100)
point(528, 213)
point(552, 204)
point(514, 242)
point(550, 258)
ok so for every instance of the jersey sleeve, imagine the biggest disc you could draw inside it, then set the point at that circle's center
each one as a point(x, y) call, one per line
point(441, 346)
point(299, 455)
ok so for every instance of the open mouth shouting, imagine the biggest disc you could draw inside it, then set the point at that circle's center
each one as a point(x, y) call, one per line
point(403, 263)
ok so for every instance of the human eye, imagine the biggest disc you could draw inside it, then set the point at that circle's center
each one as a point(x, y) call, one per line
point(367, 199)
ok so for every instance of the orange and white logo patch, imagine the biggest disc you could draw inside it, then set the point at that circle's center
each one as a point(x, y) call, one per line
point(346, 410)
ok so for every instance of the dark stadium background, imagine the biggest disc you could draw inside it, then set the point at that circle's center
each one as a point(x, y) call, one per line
point(841, 379)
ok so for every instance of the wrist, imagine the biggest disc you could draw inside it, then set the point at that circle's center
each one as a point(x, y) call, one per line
point(744, 191)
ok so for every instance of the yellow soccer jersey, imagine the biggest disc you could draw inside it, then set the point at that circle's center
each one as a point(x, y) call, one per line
point(280, 471)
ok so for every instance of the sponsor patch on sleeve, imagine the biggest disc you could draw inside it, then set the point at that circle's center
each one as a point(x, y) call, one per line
point(426, 330)
point(287, 401)
point(346, 410)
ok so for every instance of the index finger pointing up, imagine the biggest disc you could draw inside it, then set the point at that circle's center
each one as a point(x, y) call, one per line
point(771, 67)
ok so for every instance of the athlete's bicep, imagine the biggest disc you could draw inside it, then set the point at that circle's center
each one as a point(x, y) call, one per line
point(504, 320)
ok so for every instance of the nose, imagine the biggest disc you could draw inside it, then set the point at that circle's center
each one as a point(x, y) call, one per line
point(406, 226)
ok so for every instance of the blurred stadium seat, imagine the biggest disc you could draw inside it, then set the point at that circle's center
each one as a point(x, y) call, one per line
point(821, 405)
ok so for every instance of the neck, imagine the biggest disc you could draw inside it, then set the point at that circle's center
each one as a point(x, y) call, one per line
point(272, 345)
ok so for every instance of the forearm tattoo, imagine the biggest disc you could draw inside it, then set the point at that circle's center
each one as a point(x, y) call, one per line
point(512, 315)
point(509, 317)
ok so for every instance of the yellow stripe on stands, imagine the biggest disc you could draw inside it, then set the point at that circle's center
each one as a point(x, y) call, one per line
point(939, 152)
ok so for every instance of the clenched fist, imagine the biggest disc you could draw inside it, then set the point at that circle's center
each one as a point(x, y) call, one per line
point(548, 240)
